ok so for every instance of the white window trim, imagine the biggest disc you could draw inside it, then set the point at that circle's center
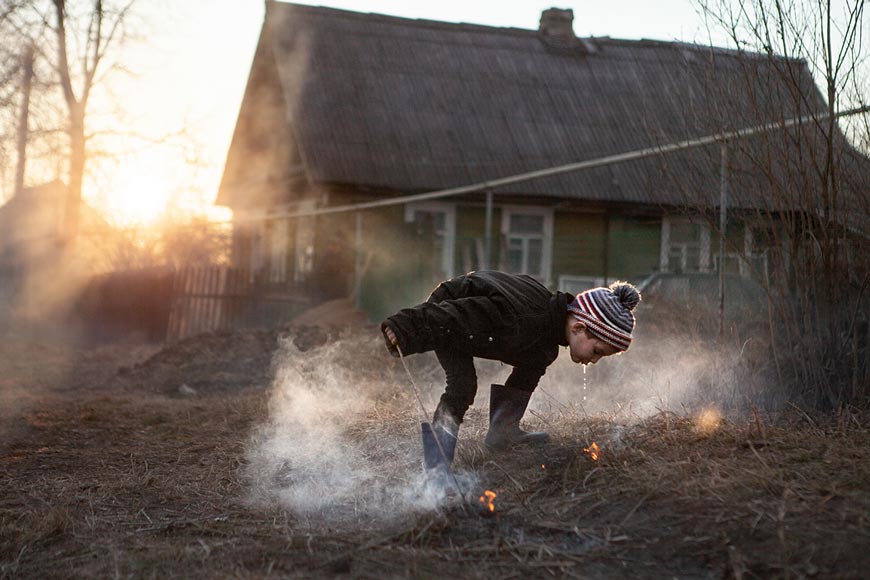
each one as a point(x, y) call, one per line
point(547, 212)
point(449, 211)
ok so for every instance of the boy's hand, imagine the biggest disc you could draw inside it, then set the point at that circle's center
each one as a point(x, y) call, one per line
point(391, 340)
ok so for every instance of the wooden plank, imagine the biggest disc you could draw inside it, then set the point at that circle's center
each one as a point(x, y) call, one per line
point(190, 311)
point(198, 291)
point(216, 299)
point(210, 291)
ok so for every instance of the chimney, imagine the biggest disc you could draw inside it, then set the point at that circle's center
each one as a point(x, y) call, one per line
point(557, 23)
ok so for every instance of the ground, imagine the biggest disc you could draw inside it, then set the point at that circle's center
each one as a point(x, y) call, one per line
point(109, 468)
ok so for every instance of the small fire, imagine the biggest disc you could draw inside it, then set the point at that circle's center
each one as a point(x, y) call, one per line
point(708, 421)
point(488, 499)
point(593, 450)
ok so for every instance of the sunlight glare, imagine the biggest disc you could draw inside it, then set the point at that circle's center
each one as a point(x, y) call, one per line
point(139, 195)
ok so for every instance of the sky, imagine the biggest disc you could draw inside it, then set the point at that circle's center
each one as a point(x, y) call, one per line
point(191, 63)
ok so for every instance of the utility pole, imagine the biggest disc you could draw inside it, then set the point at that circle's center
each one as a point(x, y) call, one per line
point(23, 131)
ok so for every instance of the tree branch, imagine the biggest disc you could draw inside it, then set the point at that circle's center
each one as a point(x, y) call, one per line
point(63, 59)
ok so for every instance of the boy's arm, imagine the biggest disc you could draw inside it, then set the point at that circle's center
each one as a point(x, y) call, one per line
point(451, 289)
point(432, 324)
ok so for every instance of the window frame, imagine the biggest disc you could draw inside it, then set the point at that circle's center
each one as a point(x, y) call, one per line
point(507, 211)
point(448, 251)
point(666, 245)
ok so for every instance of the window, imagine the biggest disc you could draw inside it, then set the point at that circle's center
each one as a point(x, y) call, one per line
point(443, 223)
point(528, 237)
point(685, 246)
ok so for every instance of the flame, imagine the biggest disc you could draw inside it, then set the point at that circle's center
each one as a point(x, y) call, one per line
point(708, 420)
point(593, 450)
point(488, 499)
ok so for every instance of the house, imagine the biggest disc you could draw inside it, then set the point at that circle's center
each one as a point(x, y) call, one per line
point(37, 265)
point(345, 108)
point(30, 225)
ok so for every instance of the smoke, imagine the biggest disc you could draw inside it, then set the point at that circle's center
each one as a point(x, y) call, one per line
point(663, 371)
point(342, 442)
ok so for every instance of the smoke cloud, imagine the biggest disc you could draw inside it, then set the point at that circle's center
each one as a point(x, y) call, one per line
point(664, 371)
point(342, 443)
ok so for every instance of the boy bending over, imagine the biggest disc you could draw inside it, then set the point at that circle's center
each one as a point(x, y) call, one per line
point(513, 319)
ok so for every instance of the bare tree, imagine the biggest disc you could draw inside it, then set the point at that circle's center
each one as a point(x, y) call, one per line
point(24, 116)
point(812, 182)
point(99, 31)
point(74, 40)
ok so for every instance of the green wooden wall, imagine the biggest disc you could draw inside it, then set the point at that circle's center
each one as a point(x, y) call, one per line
point(578, 244)
point(633, 249)
point(470, 227)
point(400, 266)
point(584, 244)
point(605, 246)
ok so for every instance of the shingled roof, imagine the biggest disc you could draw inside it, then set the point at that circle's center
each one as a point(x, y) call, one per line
point(406, 106)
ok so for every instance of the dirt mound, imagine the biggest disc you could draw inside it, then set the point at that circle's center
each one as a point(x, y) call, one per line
point(215, 361)
point(226, 360)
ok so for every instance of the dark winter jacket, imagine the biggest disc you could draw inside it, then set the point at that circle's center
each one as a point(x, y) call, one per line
point(507, 317)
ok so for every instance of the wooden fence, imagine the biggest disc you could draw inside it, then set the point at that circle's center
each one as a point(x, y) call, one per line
point(206, 299)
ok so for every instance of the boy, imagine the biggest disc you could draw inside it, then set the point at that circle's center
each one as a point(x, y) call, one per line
point(513, 319)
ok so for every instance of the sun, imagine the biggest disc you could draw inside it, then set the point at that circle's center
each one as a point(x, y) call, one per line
point(139, 195)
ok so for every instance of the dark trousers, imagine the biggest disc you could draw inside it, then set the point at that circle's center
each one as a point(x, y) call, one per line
point(461, 382)
point(461, 376)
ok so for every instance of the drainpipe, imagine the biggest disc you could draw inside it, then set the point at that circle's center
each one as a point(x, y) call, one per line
point(358, 260)
point(723, 212)
point(487, 249)
point(606, 247)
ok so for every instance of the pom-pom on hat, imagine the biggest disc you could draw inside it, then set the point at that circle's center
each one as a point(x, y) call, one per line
point(608, 312)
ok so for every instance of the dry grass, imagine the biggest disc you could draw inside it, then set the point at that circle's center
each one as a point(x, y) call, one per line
point(133, 484)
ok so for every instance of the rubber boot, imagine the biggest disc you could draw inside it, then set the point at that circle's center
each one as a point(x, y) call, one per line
point(444, 430)
point(506, 407)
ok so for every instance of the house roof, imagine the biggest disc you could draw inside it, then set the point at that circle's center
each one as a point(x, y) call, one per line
point(417, 105)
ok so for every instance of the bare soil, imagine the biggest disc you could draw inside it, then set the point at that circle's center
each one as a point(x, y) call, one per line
point(108, 470)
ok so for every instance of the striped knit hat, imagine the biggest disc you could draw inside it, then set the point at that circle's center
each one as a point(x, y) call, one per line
point(607, 312)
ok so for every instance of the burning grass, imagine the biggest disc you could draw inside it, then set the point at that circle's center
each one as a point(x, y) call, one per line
point(115, 481)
